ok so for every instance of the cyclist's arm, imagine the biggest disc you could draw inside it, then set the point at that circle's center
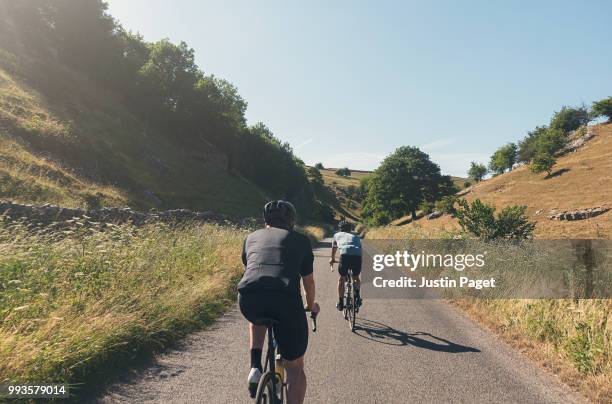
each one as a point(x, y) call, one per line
point(333, 251)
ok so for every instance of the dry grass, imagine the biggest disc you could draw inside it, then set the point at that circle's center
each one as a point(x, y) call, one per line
point(27, 178)
point(73, 303)
point(572, 339)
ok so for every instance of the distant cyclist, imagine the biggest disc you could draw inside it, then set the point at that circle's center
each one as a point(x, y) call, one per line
point(349, 245)
point(276, 258)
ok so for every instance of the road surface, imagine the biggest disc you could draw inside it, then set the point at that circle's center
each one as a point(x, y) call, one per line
point(411, 350)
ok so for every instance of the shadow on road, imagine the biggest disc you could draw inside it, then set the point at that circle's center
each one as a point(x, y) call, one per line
point(385, 334)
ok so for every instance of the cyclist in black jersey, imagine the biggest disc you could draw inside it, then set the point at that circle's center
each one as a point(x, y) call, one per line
point(276, 259)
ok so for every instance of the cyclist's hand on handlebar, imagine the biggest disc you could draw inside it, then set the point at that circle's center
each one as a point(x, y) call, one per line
point(314, 309)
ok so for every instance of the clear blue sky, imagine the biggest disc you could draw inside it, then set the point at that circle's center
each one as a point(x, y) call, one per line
point(347, 82)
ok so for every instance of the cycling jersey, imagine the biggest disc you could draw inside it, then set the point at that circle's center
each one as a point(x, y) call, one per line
point(275, 260)
point(347, 243)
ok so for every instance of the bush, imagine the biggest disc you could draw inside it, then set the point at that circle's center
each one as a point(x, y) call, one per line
point(542, 162)
point(569, 119)
point(447, 204)
point(478, 218)
point(603, 108)
point(319, 166)
point(343, 172)
point(426, 207)
point(467, 184)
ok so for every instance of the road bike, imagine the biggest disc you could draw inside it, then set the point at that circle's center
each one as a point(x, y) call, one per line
point(348, 299)
point(272, 387)
point(350, 307)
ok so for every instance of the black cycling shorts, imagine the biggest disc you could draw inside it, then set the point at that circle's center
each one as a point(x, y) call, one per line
point(349, 261)
point(291, 333)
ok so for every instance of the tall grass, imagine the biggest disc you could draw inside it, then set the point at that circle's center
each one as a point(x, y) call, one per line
point(73, 303)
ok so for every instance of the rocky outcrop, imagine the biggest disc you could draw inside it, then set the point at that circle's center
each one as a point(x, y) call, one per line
point(578, 139)
point(579, 214)
point(48, 214)
point(434, 215)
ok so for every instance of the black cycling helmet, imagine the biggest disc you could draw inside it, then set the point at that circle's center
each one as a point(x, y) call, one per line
point(344, 226)
point(280, 214)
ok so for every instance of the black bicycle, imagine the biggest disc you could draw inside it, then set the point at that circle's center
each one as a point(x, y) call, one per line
point(350, 307)
point(272, 387)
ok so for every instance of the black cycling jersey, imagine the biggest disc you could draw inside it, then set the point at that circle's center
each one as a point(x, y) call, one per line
point(275, 260)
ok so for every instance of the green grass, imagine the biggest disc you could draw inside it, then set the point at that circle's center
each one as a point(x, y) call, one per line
point(78, 304)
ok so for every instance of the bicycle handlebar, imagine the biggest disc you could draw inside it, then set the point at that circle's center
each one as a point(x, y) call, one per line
point(313, 317)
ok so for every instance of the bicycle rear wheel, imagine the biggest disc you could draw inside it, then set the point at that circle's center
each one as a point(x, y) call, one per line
point(265, 390)
point(351, 312)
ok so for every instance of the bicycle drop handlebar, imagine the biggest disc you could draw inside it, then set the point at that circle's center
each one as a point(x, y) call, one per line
point(313, 317)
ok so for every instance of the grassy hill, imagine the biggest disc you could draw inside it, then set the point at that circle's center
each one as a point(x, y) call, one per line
point(348, 207)
point(66, 140)
point(582, 179)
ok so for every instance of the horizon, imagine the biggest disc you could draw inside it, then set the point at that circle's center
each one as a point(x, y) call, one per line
point(395, 72)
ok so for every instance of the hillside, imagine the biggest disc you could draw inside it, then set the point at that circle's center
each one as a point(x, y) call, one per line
point(343, 188)
point(580, 180)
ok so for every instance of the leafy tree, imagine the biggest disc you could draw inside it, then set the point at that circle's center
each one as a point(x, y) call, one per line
point(315, 177)
point(426, 207)
point(503, 159)
point(569, 119)
point(399, 185)
point(319, 166)
point(527, 146)
point(603, 108)
point(477, 171)
point(542, 162)
point(343, 172)
point(478, 218)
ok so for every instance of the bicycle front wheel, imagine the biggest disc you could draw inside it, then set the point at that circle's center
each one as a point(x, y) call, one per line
point(265, 390)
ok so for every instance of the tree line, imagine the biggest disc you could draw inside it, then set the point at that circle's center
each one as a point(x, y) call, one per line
point(161, 83)
point(541, 146)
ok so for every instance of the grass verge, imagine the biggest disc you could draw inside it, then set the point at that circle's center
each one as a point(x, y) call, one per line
point(76, 305)
point(572, 339)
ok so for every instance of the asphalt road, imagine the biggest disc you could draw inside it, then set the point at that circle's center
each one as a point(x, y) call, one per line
point(403, 351)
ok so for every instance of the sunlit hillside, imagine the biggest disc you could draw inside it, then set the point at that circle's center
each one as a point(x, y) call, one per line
point(580, 180)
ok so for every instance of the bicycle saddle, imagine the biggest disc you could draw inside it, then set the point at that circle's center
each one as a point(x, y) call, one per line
point(265, 321)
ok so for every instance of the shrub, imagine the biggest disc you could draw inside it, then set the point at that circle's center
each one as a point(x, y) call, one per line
point(319, 166)
point(478, 218)
point(426, 207)
point(569, 119)
point(447, 204)
point(542, 162)
point(343, 172)
point(603, 108)
point(467, 184)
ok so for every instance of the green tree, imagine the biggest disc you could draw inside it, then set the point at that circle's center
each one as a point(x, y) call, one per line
point(399, 185)
point(503, 159)
point(603, 108)
point(569, 119)
point(319, 166)
point(315, 177)
point(542, 162)
point(477, 171)
point(479, 219)
point(343, 172)
point(527, 146)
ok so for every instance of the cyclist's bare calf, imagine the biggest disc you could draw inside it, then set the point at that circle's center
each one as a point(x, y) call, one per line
point(296, 380)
